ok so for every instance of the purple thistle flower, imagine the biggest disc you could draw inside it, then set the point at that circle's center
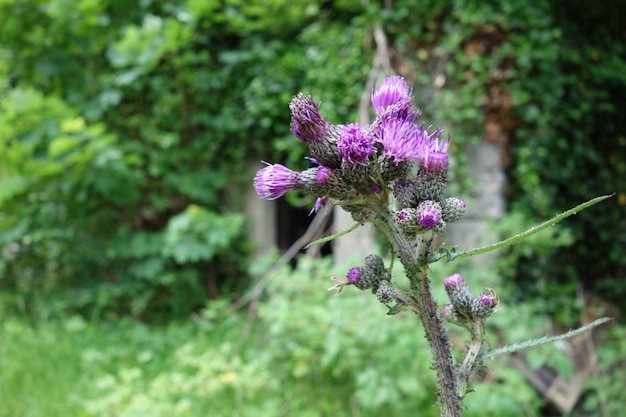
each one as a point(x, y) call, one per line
point(401, 139)
point(428, 218)
point(434, 157)
point(354, 146)
point(393, 92)
point(354, 274)
point(459, 293)
point(323, 174)
point(454, 281)
point(274, 181)
point(428, 214)
point(486, 299)
point(484, 305)
point(306, 121)
point(352, 277)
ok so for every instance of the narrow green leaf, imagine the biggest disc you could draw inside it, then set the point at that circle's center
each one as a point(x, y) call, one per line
point(536, 342)
point(331, 237)
point(534, 229)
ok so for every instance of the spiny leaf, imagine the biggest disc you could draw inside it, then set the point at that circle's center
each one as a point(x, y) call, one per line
point(547, 339)
point(534, 229)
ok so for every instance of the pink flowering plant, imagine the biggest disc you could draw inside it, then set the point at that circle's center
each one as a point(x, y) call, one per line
point(393, 174)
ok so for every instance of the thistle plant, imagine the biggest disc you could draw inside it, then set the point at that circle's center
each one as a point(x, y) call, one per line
point(393, 174)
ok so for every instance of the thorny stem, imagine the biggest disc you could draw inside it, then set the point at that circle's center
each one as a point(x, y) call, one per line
point(414, 261)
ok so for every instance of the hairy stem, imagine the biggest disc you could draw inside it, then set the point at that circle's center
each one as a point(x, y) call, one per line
point(473, 353)
point(415, 265)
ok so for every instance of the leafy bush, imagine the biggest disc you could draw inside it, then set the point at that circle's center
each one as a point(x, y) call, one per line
point(309, 353)
point(125, 136)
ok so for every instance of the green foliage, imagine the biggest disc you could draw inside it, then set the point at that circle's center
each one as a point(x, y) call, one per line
point(126, 132)
point(308, 353)
point(548, 82)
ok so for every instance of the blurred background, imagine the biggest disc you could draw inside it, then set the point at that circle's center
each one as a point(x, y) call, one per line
point(140, 276)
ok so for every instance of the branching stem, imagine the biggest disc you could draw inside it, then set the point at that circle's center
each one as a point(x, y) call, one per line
point(416, 269)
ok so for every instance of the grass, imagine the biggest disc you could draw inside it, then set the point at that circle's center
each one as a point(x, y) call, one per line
point(40, 368)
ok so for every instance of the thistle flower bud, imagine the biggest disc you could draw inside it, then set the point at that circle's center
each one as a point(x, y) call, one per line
point(483, 306)
point(452, 209)
point(322, 181)
point(459, 293)
point(306, 121)
point(376, 265)
point(385, 293)
point(391, 170)
point(310, 127)
point(407, 220)
point(447, 312)
point(404, 191)
point(430, 185)
point(274, 181)
point(428, 214)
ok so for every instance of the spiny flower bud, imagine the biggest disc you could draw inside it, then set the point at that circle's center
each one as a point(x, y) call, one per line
point(407, 220)
point(359, 176)
point(459, 293)
point(310, 127)
point(447, 312)
point(376, 264)
point(430, 185)
point(390, 170)
point(274, 181)
point(428, 214)
point(404, 191)
point(385, 292)
point(483, 305)
point(452, 209)
point(321, 181)
point(374, 271)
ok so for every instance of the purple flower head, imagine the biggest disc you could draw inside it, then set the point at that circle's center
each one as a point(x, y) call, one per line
point(274, 181)
point(428, 218)
point(454, 281)
point(323, 174)
point(434, 157)
point(354, 146)
point(428, 214)
point(354, 274)
point(306, 121)
point(484, 305)
point(486, 299)
point(401, 139)
point(392, 93)
point(353, 277)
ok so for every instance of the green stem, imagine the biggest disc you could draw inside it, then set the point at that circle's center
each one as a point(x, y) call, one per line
point(414, 260)
point(473, 354)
